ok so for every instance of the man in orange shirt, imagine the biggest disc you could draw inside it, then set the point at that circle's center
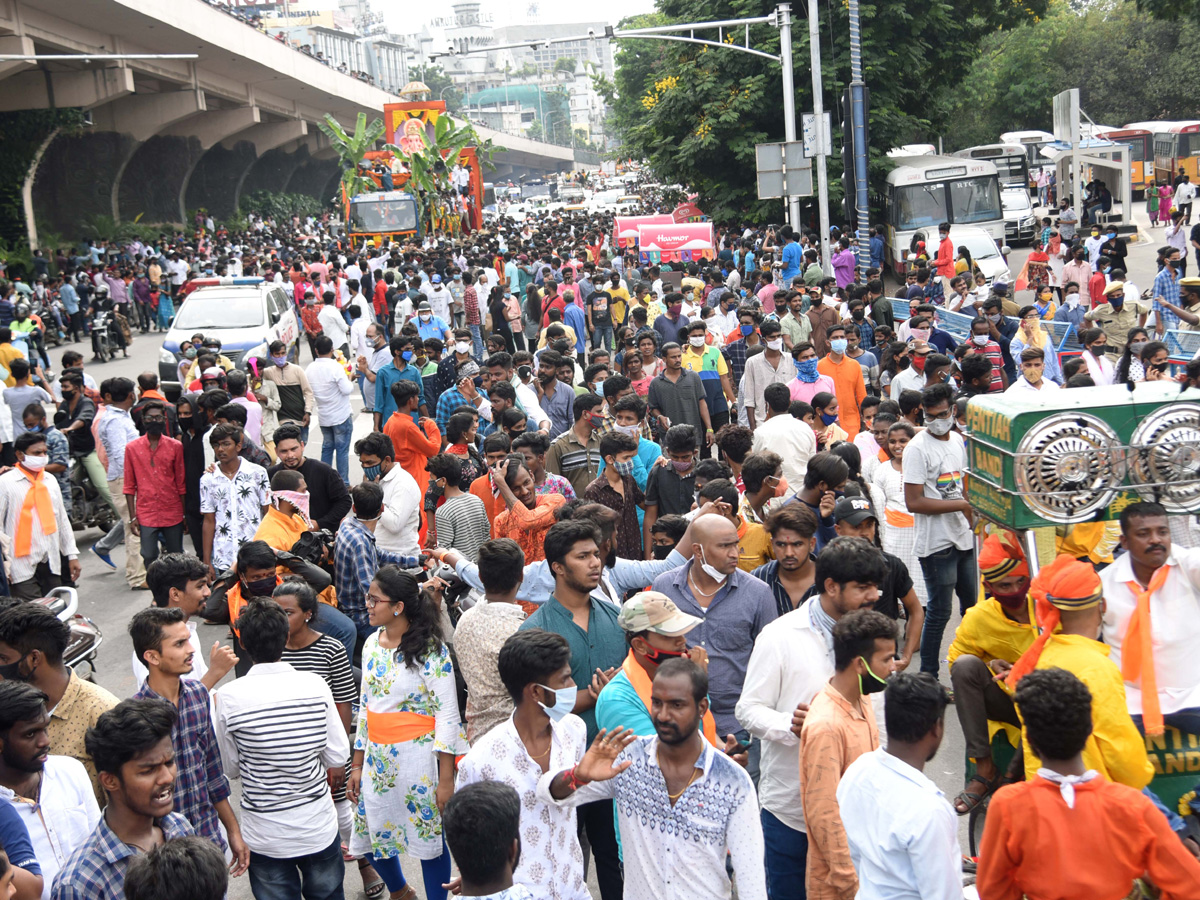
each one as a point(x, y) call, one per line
point(528, 516)
point(495, 448)
point(414, 444)
point(945, 258)
point(1024, 852)
point(847, 378)
point(839, 728)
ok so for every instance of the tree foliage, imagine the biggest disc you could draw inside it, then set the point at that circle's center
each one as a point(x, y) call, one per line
point(351, 147)
point(697, 112)
point(1128, 66)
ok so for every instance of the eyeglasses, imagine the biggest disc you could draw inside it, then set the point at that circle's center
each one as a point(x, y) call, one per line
point(372, 602)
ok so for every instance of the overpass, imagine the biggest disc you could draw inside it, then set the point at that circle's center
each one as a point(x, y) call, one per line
point(169, 135)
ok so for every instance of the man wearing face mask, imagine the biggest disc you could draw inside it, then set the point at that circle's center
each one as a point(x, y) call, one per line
point(772, 366)
point(154, 485)
point(401, 367)
point(1166, 293)
point(669, 323)
point(1092, 247)
point(655, 631)
point(32, 511)
point(989, 640)
point(1116, 316)
point(839, 728)
point(1071, 312)
point(847, 378)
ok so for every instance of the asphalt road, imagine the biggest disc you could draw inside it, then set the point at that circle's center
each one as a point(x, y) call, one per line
point(105, 597)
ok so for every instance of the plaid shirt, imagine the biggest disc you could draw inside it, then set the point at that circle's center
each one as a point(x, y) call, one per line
point(451, 400)
point(1167, 287)
point(201, 783)
point(96, 870)
point(356, 559)
point(736, 353)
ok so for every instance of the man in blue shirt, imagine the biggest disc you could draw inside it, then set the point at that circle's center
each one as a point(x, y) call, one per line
point(791, 254)
point(70, 302)
point(573, 316)
point(877, 247)
point(400, 368)
point(431, 326)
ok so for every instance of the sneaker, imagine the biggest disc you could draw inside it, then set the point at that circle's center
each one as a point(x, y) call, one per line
point(104, 557)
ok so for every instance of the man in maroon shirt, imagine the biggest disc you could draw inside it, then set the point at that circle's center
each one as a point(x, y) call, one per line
point(154, 485)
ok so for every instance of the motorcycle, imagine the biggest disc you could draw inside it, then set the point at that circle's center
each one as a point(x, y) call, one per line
point(103, 343)
point(85, 639)
point(88, 509)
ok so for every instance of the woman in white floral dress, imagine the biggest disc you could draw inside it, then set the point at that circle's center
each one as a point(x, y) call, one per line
point(408, 735)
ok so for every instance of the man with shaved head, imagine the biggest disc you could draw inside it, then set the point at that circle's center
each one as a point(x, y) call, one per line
point(733, 607)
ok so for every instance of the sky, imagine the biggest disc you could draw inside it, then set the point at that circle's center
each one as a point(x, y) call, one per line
point(517, 12)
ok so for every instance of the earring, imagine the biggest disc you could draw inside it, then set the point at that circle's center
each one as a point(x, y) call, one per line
point(395, 614)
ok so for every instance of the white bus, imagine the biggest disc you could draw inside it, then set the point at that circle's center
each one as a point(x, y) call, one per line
point(1033, 142)
point(924, 191)
point(1010, 160)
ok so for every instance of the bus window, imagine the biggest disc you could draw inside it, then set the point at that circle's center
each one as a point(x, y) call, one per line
point(975, 200)
point(382, 216)
point(1187, 145)
point(920, 205)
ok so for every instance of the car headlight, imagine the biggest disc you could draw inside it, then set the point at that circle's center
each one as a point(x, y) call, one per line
point(1031, 220)
point(166, 357)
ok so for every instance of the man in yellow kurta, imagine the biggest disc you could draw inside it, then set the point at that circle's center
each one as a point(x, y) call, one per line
point(1069, 592)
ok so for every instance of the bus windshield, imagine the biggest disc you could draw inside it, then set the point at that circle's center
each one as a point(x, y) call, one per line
point(919, 206)
point(975, 200)
point(1012, 169)
point(383, 216)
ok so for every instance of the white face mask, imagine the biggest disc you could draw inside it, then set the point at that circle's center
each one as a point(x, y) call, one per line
point(939, 427)
point(776, 344)
point(696, 340)
point(463, 346)
point(631, 430)
point(35, 463)
point(1072, 300)
point(980, 340)
point(718, 577)
point(425, 317)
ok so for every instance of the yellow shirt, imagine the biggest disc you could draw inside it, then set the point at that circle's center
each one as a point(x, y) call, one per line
point(7, 354)
point(570, 333)
point(620, 304)
point(1094, 541)
point(755, 545)
point(81, 705)
point(986, 632)
point(1115, 748)
point(694, 362)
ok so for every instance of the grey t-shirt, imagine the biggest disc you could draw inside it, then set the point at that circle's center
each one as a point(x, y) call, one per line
point(18, 398)
point(938, 466)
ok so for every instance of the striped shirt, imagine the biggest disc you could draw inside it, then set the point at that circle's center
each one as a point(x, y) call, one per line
point(462, 524)
point(279, 730)
point(575, 461)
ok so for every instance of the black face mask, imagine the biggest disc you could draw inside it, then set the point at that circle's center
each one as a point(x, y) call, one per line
point(261, 587)
point(185, 423)
point(658, 657)
point(155, 429)
point(662, 551)
point(12, 672)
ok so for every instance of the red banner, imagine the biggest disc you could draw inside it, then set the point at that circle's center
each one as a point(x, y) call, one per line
point(688, 212)
point(679, 241)
point(625, 228)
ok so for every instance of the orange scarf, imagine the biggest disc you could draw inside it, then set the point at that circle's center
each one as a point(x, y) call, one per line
point(1137, 652)
point(37, 496)
point(642, 683)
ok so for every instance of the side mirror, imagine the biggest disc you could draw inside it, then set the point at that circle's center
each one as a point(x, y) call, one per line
point(1005, 250)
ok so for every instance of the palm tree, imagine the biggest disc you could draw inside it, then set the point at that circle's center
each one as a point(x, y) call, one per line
point(351, 148)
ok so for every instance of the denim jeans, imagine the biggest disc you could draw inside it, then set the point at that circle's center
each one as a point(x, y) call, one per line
point(171, 537)
point(336, 438)
point(476, 341)
point(337, 625)
point(602, 336)
point(947, 572)
point(317, 876)
point(786, 858)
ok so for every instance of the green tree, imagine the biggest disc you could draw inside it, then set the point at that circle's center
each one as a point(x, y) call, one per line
point(351, 147)
point(1095, 48)
point(567, 64)
point(696, 113)
point(440, 86)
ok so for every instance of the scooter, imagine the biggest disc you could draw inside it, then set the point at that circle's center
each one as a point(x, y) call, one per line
point(85, 634)
point(88, 509)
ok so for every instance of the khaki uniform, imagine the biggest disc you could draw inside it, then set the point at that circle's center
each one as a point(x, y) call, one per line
point(1116, 324)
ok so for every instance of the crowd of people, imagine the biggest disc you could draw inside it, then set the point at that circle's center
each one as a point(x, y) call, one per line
point(647, 574)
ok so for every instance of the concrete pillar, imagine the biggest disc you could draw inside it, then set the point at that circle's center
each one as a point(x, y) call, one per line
point(14, 44)
point(74, 180)
point(266, 138)
point(87, 88)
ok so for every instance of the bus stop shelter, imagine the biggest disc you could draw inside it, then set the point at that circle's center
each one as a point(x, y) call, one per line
point(1079, 163)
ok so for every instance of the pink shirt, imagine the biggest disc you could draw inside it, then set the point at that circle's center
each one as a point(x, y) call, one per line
point(803, 390)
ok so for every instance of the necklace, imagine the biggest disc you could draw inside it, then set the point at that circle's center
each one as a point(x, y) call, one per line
point(696, 587)
point(670, 796)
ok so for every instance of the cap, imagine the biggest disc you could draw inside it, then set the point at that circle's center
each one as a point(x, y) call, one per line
point(437, 279)
point(853, 510)
point(1190, 281)
point(652, 611)
point(999, 285)
point(210, 372)
point(424, 304)
point(469, 369)
point(1114, 287)
point(922, 347)
point(523, 258)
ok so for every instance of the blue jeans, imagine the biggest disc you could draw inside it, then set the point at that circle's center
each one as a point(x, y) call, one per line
point(1186, 720)
point(317, 876)
point(947, 572)
point(338, 626)
point(786, 858)
point(476, 341)
point(602, 336)
point(336, 438)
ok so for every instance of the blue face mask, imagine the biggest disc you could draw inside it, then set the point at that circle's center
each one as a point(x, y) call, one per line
point(36, 429)
point(838, 345)
point(371, 473)
point(564, 702)
point(829, 418)
point(747, 330)
point(807, 369)
point(406, 355)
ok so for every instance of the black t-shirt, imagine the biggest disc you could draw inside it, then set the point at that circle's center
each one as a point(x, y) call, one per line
point(600, 303)
point(896, 585)
point(329, 500)
point(1196, 233)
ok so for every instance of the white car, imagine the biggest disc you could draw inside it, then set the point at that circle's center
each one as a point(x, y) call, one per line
point(245, 314)
point(1020, 223)
point(991, 259)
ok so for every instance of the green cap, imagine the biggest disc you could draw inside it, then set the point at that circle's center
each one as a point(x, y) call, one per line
point(652, 611)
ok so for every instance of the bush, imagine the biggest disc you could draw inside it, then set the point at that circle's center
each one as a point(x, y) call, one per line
point(275, 205)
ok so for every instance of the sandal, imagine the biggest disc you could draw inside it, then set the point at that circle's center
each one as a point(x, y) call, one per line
point(374, 889)
point(969, 799)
